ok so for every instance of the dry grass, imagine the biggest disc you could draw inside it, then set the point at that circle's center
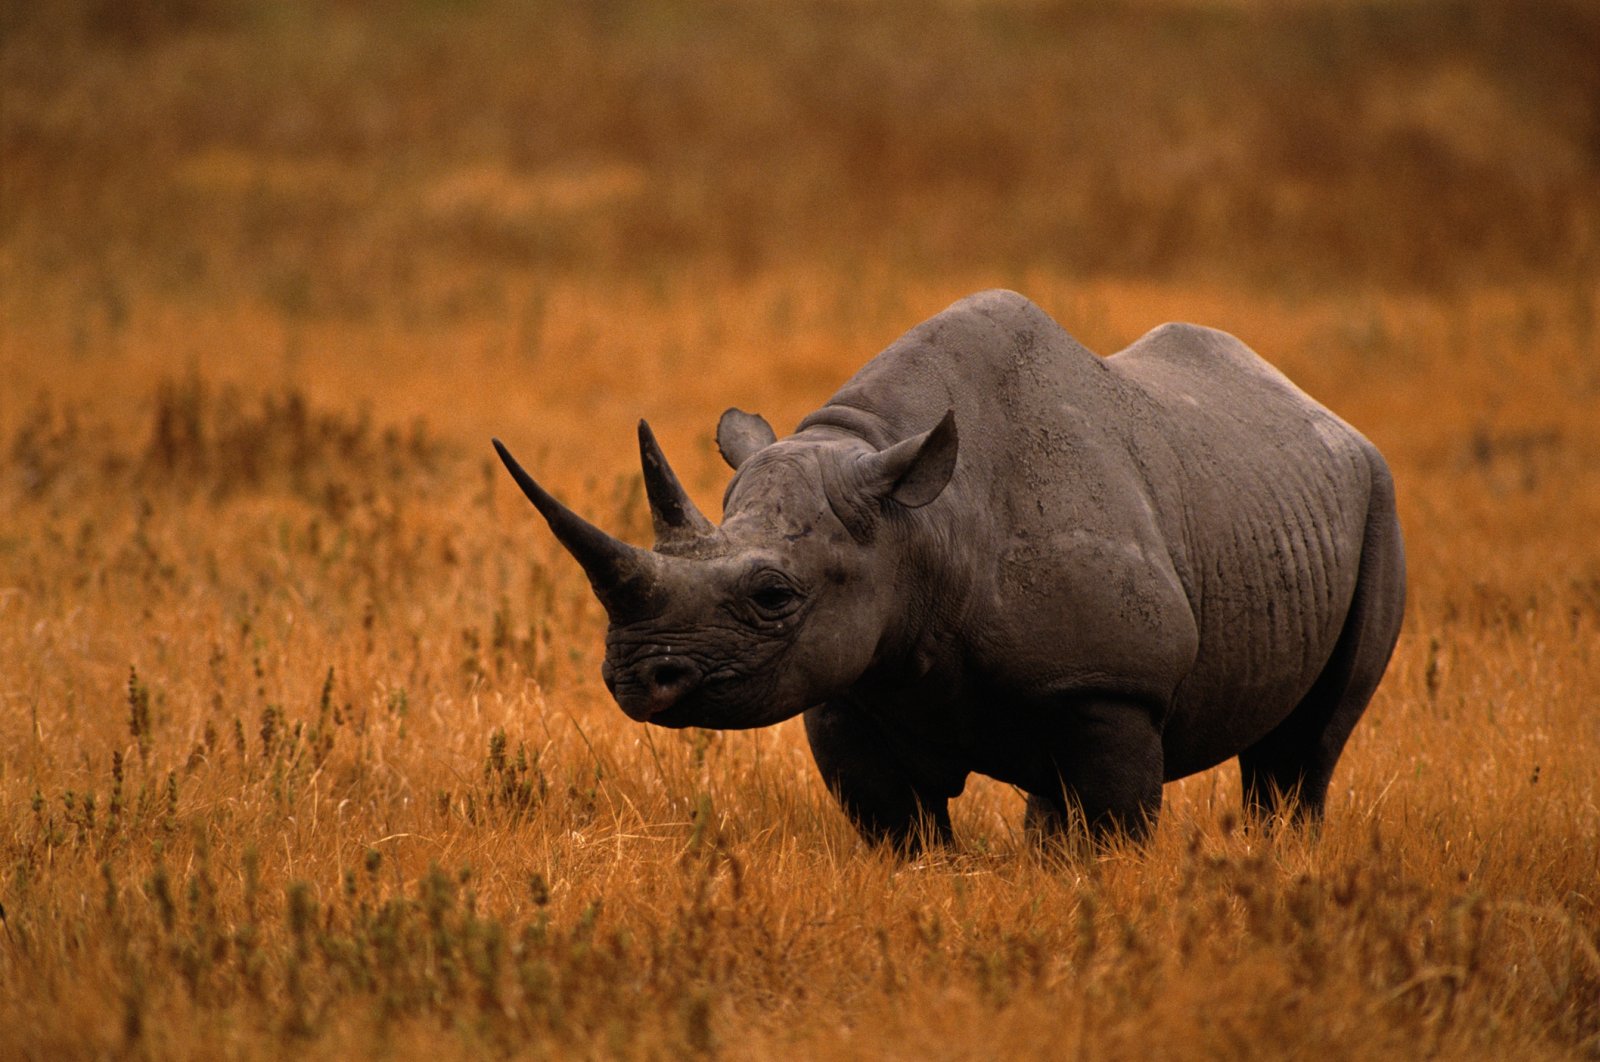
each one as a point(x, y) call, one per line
point(302, 747)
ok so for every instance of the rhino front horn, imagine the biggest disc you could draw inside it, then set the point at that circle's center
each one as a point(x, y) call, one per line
point(672, 511)
point(622, 575)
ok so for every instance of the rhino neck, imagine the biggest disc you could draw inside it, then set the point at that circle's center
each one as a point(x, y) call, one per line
point(937, 575)
point(841, 419)
point(933, 556)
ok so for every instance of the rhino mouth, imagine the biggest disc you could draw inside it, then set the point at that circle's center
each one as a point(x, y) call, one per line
point(696, 713)
point(688, 709)
point(678, 717)
point(682, 696)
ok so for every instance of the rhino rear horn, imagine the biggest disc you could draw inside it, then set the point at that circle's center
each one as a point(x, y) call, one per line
point(672, 511)
point(622, 575)
point(741, 434)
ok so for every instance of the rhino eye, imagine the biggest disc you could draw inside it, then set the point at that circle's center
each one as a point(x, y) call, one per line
point(774, 599)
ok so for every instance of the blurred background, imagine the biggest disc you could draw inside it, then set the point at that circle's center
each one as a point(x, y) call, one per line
point(347, 158)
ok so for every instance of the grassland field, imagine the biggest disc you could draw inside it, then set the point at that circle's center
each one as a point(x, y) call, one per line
point(303, 748)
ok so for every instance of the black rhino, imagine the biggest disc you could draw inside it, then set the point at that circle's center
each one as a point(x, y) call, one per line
point(993, 551)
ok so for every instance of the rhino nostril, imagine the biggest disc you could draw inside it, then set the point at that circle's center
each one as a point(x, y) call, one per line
point(668, 676)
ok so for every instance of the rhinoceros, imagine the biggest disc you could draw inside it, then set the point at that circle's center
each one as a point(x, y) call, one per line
point(993, 551)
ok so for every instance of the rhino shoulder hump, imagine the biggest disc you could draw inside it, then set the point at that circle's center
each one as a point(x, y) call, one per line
point(1012, 313)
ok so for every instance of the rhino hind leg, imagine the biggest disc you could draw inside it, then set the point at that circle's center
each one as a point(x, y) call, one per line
point(885, 801)
point(1291, 767)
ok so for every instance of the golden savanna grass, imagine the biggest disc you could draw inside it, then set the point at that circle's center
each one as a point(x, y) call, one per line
point(302, 744)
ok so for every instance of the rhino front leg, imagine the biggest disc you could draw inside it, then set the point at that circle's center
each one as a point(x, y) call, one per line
point(886, 800)
point(1106, 766)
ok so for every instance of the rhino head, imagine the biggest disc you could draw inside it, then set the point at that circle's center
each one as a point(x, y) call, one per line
point(785, 605)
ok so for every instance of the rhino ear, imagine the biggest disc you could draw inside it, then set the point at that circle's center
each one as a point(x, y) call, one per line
point(915, 471)
point(741, 434)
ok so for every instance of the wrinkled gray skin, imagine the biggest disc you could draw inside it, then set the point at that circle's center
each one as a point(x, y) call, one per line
point(993, 551)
